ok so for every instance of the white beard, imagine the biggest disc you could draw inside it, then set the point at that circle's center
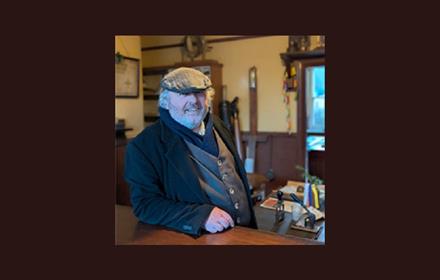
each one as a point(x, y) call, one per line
point(190, 122)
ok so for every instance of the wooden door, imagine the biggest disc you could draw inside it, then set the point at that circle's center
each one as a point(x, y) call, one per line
point(318, 161)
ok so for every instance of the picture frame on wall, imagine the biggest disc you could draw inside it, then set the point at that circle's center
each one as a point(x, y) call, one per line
point(127, 77)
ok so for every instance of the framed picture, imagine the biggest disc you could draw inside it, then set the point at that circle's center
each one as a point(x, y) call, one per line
point(127, 77)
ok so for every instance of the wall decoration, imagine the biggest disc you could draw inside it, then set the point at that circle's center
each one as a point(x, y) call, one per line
point(127, 77)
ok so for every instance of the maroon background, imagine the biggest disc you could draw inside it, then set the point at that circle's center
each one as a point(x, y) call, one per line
point(58, 141)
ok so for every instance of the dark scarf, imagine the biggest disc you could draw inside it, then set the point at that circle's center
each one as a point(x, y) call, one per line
point(206, 142)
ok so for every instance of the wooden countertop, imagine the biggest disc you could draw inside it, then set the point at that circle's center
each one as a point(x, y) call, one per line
point(131, 232)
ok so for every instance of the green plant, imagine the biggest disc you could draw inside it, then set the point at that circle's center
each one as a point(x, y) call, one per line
point(314, 180)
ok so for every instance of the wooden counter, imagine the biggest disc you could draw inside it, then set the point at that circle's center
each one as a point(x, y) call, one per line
point(131, 232)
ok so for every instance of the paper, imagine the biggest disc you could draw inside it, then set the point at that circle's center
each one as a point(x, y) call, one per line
point(289, 189)
point(249, 165)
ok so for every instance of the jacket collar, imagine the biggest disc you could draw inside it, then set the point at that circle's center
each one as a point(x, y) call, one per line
point(178, 157)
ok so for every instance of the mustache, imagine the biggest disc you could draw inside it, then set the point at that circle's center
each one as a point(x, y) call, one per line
point(193, 107)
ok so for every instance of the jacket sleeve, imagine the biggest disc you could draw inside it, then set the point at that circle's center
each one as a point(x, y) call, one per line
point(150, 204)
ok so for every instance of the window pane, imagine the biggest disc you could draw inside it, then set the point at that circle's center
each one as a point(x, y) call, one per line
point(315, 99)
point(315, 143)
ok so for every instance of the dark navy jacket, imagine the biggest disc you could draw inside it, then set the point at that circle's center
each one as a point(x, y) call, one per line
point(163, 181)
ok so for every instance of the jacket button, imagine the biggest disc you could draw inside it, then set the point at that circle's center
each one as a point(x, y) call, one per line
point(224, 176)
point(238, 220)
point(236, 205)
point(219, 162)
point(231, 190)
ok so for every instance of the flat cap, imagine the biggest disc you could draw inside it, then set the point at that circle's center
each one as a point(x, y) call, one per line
point(185, 80)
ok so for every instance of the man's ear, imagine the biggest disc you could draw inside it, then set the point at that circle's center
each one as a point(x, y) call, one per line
point(164, 101)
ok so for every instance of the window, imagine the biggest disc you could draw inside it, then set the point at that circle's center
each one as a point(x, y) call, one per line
point(315, 108)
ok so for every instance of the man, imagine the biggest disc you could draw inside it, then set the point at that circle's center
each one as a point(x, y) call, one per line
point(184, 171)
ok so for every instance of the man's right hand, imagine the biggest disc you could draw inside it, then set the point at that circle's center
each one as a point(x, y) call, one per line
point(218, 220)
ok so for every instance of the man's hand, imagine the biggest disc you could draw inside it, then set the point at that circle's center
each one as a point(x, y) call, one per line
point(218, 220)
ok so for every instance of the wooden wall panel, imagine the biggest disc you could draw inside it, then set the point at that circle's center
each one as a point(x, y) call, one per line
point(122, 189)
point(276, 151)
point(317, 164)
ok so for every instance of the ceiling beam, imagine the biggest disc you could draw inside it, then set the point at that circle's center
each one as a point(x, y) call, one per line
point(219, 40)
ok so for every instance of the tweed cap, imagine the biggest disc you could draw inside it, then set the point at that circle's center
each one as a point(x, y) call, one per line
point(185, 80)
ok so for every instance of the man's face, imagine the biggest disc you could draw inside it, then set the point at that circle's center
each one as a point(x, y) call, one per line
point(188, 109)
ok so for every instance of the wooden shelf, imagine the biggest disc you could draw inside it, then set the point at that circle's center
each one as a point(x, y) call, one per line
point(160, 70)
point(151, 118)
point(151, 97)
point(289, 57)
